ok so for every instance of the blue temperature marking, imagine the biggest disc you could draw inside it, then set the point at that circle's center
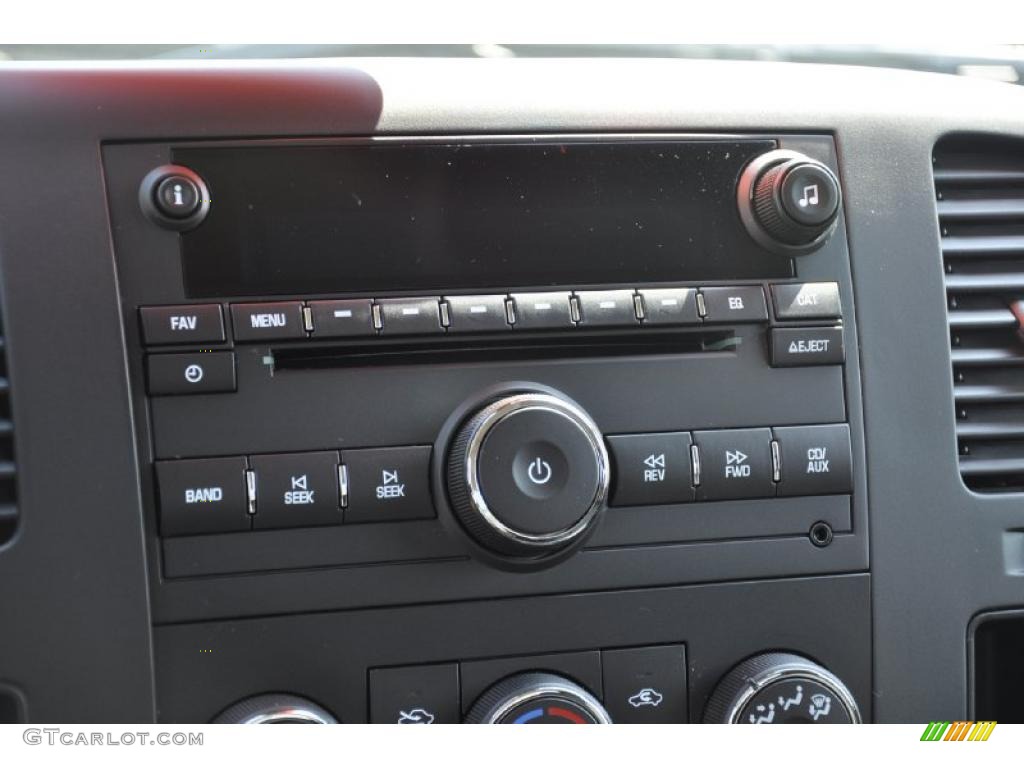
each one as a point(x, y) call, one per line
point(533, 714)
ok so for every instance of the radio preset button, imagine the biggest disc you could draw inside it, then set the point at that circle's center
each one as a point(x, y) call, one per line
point(410, 316)
point(386, 484)
point(807, 346)
point(185, 324)
point(191, 373)
point(275, 320)
point(470, 314)
point(202, 496)
point(735, 464)
point(296, 489)
point(670, 306)
point(349, 317)
point(607, 308)
point(739, 304)
point(541, 311)
point(806, 301)
point(650, 469)
point(814, 460)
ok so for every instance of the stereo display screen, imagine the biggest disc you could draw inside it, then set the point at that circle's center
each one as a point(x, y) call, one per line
point(383, 216)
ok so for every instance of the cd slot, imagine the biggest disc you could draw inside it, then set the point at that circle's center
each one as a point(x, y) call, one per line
point(490, 348)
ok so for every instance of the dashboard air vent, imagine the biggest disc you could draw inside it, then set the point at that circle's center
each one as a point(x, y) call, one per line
point(979, 187)
point(8, 477)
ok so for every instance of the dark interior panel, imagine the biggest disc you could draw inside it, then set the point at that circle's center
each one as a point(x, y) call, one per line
point(394, 392)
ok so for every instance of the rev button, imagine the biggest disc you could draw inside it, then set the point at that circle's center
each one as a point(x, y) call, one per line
point(296, 489)
point(651, 469)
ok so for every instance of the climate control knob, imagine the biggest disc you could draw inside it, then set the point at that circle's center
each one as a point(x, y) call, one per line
point(789, 203)
point(538, 698)
point(777, 688)
point(276, 709)
point(528, 475)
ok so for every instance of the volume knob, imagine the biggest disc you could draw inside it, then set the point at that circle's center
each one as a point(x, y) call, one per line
point(789, 202)
point(528, 475)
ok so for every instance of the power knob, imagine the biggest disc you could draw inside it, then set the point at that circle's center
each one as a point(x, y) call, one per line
point(788, 202)
point(538, 698)
point(777, 688)
point(528, 475)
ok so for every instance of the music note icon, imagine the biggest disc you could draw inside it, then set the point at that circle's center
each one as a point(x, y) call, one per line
point(810, 196)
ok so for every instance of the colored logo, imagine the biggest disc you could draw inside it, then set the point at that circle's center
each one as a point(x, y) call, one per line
point(959, 731)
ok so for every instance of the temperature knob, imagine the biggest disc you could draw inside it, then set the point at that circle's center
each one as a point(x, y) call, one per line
point(528, 475)
point(776, 688)
point(538, 698)
point(789, 203)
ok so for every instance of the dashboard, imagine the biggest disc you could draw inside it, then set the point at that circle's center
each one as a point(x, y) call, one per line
point(442, 391)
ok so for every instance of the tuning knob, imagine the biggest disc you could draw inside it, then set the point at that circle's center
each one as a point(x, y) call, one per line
point(528, 475)
point(276, 709)
point(537, 698)
point(781, 688)
point(789, 203)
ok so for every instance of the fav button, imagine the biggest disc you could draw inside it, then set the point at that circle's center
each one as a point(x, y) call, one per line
point(296, 489)
point(202, 496)
point(387, 484)
point(651, 469)
point(189, 323)
point(735, 464)
point(814, 460)
point(191, 373)
point(276, 320)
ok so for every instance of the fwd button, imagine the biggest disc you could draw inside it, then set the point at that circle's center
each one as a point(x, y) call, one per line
point(735, 464)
